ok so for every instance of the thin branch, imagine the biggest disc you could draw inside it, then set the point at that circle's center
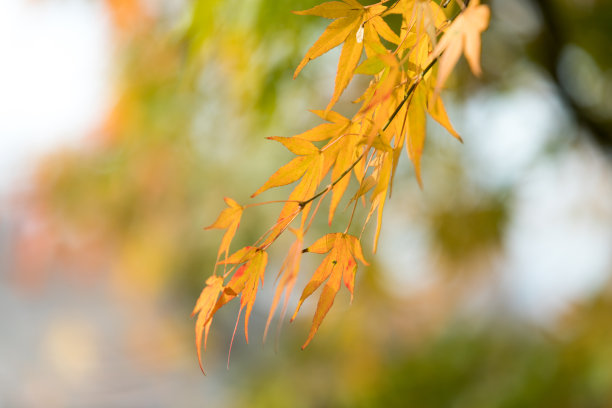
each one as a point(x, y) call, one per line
point(393, 115)
point(332, 185)
point(409, 92)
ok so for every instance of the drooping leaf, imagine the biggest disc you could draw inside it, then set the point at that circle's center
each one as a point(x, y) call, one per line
point(204, 306)
point(402, 88)
point(334, 35)
point(322, 132)
point(417, 129)
point(228, 219)
point(296, 145)
point(339, 264)
point(462, 36)
point(347, 155)
point(287, 174)
point(286, 278)
point(349, 58)
point(331, 116)
point(379, 194)
point(254, 272)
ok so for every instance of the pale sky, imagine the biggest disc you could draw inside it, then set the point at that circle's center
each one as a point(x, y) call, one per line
point(54, 78)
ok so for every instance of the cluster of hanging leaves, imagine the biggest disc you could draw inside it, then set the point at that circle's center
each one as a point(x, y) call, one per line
point(407, 71)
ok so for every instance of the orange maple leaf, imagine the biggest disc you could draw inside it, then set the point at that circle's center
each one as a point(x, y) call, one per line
point(228, 219)
point(338, 266)
point(204, 306)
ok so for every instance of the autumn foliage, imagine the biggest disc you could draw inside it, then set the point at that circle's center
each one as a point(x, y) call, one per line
point(407, 68)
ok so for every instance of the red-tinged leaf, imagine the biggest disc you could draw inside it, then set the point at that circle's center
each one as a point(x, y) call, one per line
point(236, 283)
point(296, 145)
point(355, 247)
point(204, 307)
point(348, 276)
point(335, 33)
point(325, 303)
point(287, 174)
point(349, 58)
point(331, 9)
point(287, 275)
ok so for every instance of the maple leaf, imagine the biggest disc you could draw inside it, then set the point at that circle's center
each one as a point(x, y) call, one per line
point(403, 89)
point(326, 130)
point(349, 58)
point(335, 34)
point(244, 282)
point(417, 129)
point(331, 9)
point(339, 265)
point(305, 189)
point(462, 36)
point(286, 278)
point(204, 306)
point(436, 109)
point(347, 154)
point(379, 194)
point(228, 219)
point(296, 168)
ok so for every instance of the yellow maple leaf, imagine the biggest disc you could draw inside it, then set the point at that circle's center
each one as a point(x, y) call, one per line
point(204, 306)
point(335, 34)
point(462, 36)
point(228, 219)
point(339, 265)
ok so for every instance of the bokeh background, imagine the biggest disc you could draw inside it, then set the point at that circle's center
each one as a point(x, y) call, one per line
point(123, 123)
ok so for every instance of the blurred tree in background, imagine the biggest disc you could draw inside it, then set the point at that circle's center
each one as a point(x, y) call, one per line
point(434, 323)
